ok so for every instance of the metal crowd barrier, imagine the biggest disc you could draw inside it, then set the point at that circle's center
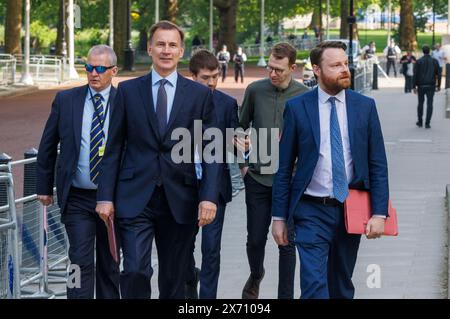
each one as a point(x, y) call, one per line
point(45, 68)
point(42, 242)
point(9, 256)
point(364, 76)
point(7, 69)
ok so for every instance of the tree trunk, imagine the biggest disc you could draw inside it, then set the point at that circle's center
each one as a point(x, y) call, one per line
point(120, 29)
point(170, 10)
point(13, 26)
point(315, 18)
point(227, 23)
point(60, 29)
point(406, 31)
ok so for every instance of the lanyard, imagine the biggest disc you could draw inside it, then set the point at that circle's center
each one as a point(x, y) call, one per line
point(101, 123)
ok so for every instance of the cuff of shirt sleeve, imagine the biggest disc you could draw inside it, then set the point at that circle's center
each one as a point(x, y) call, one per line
point(278, 218)
point(381, 216)
point(104, 202)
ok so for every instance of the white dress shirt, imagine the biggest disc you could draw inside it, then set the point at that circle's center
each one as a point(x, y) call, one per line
point(170, 88)
point(321, 184)
point(82, 177)
point(322, 180)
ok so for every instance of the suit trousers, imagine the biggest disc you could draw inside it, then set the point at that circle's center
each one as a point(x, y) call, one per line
point(327, 252)
point(172, 241)
point(429, 92)
point(258, 199)
point(211, 245)
point(85, 231)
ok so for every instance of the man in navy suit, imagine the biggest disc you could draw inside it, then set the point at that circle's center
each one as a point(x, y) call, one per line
point(152, 193)
point(205, 69)
point(333, 136)
point(79, 122)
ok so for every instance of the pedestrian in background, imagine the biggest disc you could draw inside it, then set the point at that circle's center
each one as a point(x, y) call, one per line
point(439, 55)
point(407, 61)
point(426, 73)
point(224, 57)
point(239, 59)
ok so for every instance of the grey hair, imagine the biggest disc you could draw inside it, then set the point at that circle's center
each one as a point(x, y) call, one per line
point(104, 49)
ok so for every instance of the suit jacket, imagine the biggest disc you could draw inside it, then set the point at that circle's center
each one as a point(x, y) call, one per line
point(64, 127)
point(227, 117)
point(137, 157)
point(301, 140)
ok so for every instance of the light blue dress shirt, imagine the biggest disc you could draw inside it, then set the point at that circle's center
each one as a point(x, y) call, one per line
point(82, 177)
point(170, 88)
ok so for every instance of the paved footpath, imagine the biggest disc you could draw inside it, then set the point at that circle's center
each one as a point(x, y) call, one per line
point(412, 265)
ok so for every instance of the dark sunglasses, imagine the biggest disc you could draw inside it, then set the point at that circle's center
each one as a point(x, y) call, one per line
point(99, 68)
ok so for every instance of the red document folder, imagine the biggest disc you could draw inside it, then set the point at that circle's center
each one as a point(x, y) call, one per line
point(358, 211)
point(112, 239)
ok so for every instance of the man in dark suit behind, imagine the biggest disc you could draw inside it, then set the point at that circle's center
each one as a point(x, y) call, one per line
point(152, 194)
point(79, 122)
point(333, 136)
point(205, 69)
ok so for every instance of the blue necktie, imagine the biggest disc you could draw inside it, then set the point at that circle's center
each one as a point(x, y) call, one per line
point(340, 184)
point(161, 107)
point(96, 137)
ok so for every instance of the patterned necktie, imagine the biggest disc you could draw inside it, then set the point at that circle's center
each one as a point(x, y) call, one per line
point(96, 137)
point(340, 184)
point(161, 107)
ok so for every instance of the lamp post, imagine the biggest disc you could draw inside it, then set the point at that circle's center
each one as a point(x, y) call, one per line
point(156, 11)
point(211, 25)
point(320, 20)
point(351, 20)
point(111, 23)
point(128, 64)
point(389, 23)
point(73, 74)
point(328, 19)
point(434, 21)
point(262, 61)
point(26, 76)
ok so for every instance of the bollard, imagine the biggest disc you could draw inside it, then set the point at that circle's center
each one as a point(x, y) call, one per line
point(4, 159)
point(375, 76)
point(447, 75)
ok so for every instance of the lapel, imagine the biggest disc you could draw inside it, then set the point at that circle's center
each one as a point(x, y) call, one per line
point(145, 89)
point(312, 109)
point(78, 100)
point(351, 104)
point(178, 100)
point(112, 96)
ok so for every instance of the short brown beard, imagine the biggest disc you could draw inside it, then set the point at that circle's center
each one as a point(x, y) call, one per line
point(335, 86)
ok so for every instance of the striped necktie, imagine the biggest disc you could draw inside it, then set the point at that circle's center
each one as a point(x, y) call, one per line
point(96, 137)
point(340, 184)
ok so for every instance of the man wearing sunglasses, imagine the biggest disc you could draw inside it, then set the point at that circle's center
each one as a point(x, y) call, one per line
point(263, 107)
point(152, 194)
point(79, 121)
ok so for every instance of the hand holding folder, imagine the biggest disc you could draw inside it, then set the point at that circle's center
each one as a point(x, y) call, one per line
point(112, 239)
point(358, 211)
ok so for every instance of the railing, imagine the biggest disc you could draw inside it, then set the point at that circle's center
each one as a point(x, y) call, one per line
point(7, 69)
point(42, 242)
point(45, 68)
point(364, 75)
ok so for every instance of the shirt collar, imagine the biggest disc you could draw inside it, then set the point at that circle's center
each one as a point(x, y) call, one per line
point(285, 89)
point(323, 96)
point(171, 78)
point(104, 93)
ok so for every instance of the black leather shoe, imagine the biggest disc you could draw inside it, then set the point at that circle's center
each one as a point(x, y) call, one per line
point(419, 124)
point(190, 288)
point(427, 126)
point(251, 288)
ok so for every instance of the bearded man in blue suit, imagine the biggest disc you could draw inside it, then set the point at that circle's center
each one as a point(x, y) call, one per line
point(333, 136)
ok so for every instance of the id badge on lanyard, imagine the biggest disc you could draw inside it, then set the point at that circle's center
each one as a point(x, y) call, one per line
point(101, 149)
